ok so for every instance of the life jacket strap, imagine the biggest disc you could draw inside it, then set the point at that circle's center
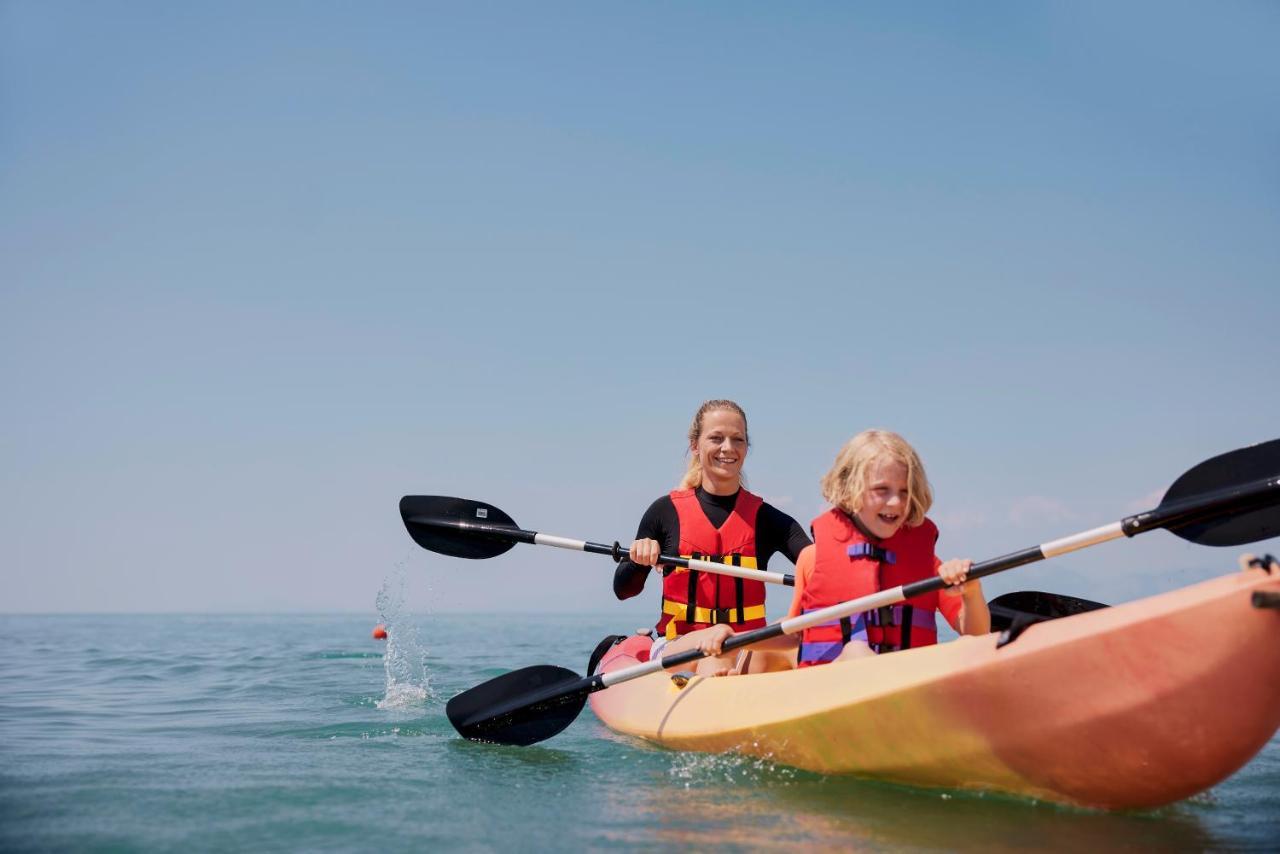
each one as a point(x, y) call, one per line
point(744, 561)
point(688, 611)
point(872, 551)
point(691, 600)
point(897, 615)
point(824, 652)
point(711, 616)
point(903, 617)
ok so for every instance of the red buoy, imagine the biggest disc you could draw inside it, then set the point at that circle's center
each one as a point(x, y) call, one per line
point(379, 632)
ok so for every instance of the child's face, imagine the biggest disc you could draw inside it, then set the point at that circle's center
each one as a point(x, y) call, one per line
point(886, 499)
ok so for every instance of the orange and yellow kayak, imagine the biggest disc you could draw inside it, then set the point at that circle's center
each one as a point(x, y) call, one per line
point(1133, 706)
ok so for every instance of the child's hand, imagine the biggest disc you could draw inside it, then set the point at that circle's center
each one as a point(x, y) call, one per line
point(954, 572)
point(712, 643)
point(645, 552)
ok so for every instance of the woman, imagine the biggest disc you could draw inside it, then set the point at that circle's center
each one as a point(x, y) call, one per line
point(710, 516)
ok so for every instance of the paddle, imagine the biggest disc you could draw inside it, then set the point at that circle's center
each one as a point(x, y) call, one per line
point(473, 529)
point(1033, 605)
point(463, 528)
point(1228, 500)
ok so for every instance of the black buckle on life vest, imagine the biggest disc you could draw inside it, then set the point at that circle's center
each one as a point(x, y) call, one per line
point(723, 615)
point(874, 552)
point(883, 617)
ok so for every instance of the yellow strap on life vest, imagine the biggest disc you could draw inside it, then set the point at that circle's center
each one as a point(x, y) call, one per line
point(704, 615)
point(680, 610)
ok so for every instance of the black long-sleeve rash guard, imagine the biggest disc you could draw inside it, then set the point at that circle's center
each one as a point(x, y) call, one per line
point(775, 532)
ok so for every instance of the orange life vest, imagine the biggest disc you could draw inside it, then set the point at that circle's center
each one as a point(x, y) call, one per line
point(694, 600)
point(848, 565)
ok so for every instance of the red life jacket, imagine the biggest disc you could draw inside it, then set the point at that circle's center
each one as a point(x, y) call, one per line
point(694, 600)
point(847, 565)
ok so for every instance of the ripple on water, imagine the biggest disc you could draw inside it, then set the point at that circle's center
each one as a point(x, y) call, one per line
point(338, 655)
point(362, 730)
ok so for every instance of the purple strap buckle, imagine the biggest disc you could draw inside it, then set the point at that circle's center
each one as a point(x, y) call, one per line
point(873, 552)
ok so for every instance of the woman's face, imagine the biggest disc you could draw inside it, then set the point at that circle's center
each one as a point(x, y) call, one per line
point(886, 501)
point(721, 449)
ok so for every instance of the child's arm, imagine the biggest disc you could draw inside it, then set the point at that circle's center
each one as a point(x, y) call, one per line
point(973, 616)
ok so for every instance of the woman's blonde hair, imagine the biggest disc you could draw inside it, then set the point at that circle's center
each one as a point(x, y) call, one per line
point(693, 474)
point(845, 484)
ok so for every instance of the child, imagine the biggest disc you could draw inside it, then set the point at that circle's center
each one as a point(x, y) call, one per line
point(876, 536)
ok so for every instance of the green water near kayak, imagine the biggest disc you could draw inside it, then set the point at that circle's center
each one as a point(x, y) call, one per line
point(290, 733)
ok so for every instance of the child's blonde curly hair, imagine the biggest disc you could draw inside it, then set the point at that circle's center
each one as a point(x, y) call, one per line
point(845, 484)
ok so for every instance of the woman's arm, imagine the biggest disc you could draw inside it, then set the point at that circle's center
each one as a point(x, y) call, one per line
point(778, 532)
point(629, 577)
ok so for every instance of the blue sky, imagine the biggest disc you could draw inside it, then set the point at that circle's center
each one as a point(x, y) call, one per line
point(268, 267)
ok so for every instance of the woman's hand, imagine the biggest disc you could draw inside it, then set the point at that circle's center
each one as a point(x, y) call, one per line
point(645, 552)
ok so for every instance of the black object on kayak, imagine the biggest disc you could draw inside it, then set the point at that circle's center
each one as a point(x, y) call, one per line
point(1033, 603)
point(609, 642)
point(535, 703)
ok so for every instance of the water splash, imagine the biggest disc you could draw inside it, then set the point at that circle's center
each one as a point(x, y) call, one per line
point(696, 770)
point(405, 660)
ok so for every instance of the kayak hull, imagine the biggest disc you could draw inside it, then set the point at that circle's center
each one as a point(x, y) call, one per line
point(1128, 707)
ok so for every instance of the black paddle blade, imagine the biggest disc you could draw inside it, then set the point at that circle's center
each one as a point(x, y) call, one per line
point(456, 526)
point(1045, 606)
point(1224, 472)
point(521, 708)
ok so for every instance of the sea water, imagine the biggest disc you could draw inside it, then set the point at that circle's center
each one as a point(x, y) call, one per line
point(302, 733)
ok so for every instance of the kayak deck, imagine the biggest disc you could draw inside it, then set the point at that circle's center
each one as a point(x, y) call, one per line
point(1133, 706)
